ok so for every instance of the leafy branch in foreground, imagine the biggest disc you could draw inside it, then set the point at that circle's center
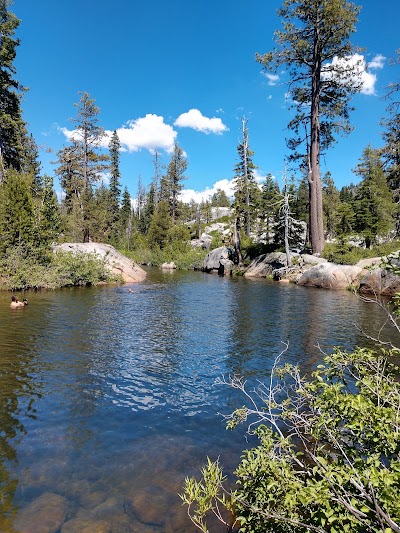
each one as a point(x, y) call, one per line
point(328, 452)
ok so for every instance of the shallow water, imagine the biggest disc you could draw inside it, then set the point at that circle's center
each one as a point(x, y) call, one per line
point(108, 397)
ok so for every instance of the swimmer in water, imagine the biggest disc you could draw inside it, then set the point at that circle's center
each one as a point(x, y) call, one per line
point(16, 303)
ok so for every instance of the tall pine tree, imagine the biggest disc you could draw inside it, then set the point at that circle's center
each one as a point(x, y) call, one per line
point(247, 194)
point(12, 128)
point(82, 164)
point(171, 182)
point(374, 206)
point(315, 32)
point(115, 175)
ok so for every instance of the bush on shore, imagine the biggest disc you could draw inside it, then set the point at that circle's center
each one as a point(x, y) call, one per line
point(343, 253)
point(24, 268)
point(177, 248)
point(328, 453)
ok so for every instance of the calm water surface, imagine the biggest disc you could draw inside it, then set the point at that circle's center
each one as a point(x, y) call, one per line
point(108, 397)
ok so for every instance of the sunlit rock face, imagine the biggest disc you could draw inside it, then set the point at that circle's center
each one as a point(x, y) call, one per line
point(218, 260)
point(264, 265)
point(331, 276)
point(380, 281)
point(119, 265)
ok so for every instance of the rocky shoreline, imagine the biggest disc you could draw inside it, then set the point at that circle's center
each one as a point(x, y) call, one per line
point(367, 276)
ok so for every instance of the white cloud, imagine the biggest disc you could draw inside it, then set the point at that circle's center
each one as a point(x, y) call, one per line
point(269, 97)
point(196, 120)
point(377, 62)
point(260, 178)
point(149, 132)
point(272, 78)
point(225, 185)
point(354, 69)
point(70, 134)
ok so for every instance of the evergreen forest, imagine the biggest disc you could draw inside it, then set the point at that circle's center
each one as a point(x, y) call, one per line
point(151, 224)
point(326, 456)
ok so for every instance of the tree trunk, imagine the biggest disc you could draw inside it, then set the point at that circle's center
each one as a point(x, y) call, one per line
point(237, 241)
point(286, 209)
point(314, 177)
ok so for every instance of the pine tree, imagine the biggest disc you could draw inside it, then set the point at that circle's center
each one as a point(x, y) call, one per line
point(140, 206)
point(30, 162)
point(348, 193)
point(125, 219)
point(331, 200)
point(16, 211)
point(47, 216)
point(81, 165)
point(149, 207)
point(374, 207)
point(288, 230)
point(115, 175)
point(247, 194)
point(302, 202)
point(345, 224)
point(220, 199)
point(391, 137)
point(314, 33)
point(171, 182)
point(101, 215)
point(160, 225)
point(12, 127)
point(156, 177)
point(270, 203)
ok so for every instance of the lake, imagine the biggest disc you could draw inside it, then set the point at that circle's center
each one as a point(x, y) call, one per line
point(109, 400)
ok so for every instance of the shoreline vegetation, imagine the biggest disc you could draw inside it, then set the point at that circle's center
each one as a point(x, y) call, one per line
point(72, 266)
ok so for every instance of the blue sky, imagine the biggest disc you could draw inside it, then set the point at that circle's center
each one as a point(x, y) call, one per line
point(184, 70)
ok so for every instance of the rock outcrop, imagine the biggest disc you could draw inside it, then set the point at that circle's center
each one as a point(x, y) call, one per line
point(218, 260)
point(380, 281)
point(331, 276)
point(313, 271)
point(118, 264)
point(264, 265)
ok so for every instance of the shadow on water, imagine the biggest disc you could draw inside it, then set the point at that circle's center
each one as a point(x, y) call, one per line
point(108, 394)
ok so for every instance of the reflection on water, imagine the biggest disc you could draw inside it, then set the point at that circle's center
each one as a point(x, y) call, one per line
point(108, 396)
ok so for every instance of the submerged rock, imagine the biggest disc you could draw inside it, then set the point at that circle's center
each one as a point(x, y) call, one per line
point(148, 505)
point(118, 264)
point(80, 525)
point(46, 514)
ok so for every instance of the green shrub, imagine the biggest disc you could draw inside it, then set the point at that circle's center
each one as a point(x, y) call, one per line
point(75, 269)
point(328, 453)
point(32, 269)
point(185, 256)
point(343, 253)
